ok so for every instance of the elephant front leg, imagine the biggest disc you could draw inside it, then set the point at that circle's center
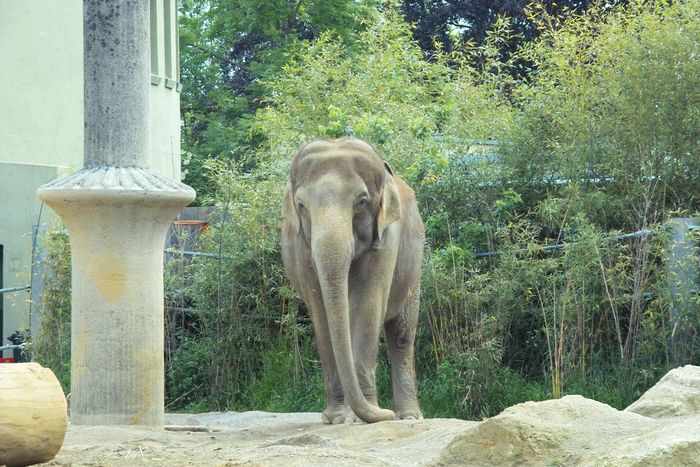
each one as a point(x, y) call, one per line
point(365, 343)
point(369, 285)
point(400, 337)
point(365, 347)
point(365, 340)
point(365, 326)
point(334, 412)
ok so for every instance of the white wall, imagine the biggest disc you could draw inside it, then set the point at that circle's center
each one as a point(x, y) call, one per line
point(41, 83)
point(41, 122)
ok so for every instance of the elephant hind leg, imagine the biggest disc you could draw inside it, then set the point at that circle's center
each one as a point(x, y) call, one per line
point(400, 337)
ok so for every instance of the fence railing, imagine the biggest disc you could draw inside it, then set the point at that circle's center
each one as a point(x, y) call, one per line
point(15, 289)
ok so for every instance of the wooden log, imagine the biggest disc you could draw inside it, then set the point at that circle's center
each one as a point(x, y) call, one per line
point(33, 415)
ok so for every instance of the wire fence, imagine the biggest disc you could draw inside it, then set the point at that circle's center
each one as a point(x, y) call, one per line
point(15, 289)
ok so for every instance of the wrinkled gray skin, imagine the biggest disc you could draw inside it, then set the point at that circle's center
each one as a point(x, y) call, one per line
point(352, 246)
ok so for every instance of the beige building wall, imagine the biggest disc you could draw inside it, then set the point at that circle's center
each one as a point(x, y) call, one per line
point(41, 121)
point(165, 89)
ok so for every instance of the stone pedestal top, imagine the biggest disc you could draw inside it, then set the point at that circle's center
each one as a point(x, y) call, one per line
point(105, 182)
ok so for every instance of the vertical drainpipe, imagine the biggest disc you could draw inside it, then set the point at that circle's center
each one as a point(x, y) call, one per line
point(117, 212)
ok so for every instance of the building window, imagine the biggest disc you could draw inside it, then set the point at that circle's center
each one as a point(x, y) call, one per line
point(168, 37)
point(164, 44)
point(177, 46)
point(154, 37)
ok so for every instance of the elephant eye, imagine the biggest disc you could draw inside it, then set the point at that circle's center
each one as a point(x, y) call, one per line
point(362, 201)
point(301, 206)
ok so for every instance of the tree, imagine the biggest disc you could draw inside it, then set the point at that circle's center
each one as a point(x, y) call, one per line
point(451, 23)
point(228, 48)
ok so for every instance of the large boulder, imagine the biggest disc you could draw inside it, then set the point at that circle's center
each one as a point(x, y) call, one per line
point(574, 431)
point(676, 394)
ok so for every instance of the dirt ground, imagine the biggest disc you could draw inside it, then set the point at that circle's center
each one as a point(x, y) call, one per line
point(259, 438)
point(568, 431)
point(662, 428)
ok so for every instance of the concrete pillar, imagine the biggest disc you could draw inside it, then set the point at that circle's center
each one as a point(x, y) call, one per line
point(117, 71)
point(117, 213)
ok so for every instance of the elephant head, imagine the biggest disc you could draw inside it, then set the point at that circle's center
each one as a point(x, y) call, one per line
point(340, 203)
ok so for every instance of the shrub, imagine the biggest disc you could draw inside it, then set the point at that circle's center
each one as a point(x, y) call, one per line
point(52, 346)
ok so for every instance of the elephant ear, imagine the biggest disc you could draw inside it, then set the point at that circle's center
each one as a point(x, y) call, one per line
point(389, 205)
point(289, 210)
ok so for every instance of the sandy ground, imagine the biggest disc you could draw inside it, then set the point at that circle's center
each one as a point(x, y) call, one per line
point(260, 438)
point(662, 428)
point(568, 431)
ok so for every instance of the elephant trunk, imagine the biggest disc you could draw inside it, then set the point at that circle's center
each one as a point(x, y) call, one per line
point(332, 256)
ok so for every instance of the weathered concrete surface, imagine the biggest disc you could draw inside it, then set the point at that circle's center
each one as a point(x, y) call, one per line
point(569, 431)
point(117, 218)
point(117, 213)
point(677, 393)
point(117, 72)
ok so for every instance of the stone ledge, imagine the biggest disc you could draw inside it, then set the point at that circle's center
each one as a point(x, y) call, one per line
point(120, 182)
point(117, 178)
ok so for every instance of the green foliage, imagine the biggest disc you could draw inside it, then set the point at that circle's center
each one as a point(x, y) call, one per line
point(600, 137)
point(543, 172)
point(388, 94)
point(298, 367)
point(615, 98)
point(227, 49)
point(232, 320)
point(51, 347)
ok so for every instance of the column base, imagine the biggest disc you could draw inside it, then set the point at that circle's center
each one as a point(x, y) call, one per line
point(117, 218)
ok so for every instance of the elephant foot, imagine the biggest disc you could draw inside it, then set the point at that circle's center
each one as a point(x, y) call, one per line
point(339, 416)
point(409, 415)
point(333, 416)
point(350, 417)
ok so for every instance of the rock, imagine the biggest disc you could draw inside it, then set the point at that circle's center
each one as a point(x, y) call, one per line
point(574, 431)
point(677, 393)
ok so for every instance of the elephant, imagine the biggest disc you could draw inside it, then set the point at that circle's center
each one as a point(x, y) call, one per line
point(352, 248)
